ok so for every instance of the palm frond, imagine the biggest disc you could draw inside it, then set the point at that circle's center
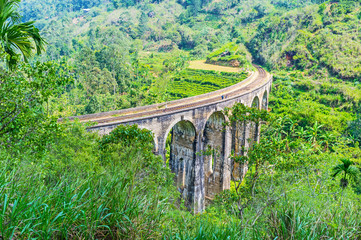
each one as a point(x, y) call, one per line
point(346, 167)
point(15, 37)
point(337, 170)
point(353, 173)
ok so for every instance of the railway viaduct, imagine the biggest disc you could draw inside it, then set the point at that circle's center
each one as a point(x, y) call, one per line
point(196, 124)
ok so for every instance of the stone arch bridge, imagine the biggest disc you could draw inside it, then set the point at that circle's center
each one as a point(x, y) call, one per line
point(196, 124)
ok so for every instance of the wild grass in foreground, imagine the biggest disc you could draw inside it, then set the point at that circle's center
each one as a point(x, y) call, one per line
point(113, 190)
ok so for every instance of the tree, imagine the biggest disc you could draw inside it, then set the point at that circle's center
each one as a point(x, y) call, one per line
point(23, 97)
point(257, 156)
point(132, 148)
point(143, 21)
point(93, 106)
point(358, 24)
point(15, 36)
point(197, 5)
point(349, 172)
point(354, 129)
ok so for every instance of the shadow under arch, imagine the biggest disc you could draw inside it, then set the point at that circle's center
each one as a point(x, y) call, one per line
point(213, 153)
point(181, 142)
point(264, 105)
point(170, 128)
point(255, 102)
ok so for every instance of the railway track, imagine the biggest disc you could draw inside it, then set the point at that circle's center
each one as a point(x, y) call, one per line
point(176, 106)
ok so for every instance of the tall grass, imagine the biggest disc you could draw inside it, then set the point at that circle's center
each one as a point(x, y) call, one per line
point(121, 193)
point(286, 221)
point(297, 221)
point(204, 227)
point(97, 207)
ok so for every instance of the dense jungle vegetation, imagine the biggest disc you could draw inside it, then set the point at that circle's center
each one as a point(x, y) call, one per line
point(72, 57)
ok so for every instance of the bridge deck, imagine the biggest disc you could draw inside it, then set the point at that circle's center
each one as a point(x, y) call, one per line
point(250, 84)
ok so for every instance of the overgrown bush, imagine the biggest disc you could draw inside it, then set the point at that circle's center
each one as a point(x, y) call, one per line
point(230, 54)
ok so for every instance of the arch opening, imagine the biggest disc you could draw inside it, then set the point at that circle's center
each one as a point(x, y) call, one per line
point(255, 102)
point(265, 101)
point(213, 154)
point(180, 157)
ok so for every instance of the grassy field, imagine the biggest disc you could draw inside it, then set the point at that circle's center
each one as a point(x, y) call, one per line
point(202, 65)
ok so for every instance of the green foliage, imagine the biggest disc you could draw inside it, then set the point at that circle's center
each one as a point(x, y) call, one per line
point(72, 150)
point(240, 113)
point(230, 47)
point(34, 10)
point(354, 128)
point(127, 135)
point(229, 54)
point(309, 40)
point(98, 206)
point(17, 38)
point(349, 172)
point(23, 110)
point(175, 63)
point(306, 101)
point(202, 227)
point(192, 82)
point(105, 80)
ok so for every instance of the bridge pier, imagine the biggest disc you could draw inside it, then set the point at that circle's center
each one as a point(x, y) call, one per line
point(199, 189)
point(227, 167)
point(161, 151)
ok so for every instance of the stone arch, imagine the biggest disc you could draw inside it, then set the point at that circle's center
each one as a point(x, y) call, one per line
point(171, 126)
point(214, 153)
point(255, 102)
point(182, 157)
point(264, 105)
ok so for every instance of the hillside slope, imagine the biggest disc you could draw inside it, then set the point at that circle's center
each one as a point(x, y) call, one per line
point(315, 38)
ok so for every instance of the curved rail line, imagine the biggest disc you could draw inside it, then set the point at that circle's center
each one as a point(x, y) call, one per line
point(252, 83)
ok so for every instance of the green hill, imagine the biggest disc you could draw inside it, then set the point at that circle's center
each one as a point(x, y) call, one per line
point(316, 39)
